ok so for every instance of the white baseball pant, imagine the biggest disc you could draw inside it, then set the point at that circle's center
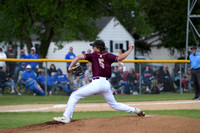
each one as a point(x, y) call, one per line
point(99, 86)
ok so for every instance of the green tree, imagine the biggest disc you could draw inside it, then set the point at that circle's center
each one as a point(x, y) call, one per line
point(47, 20)
point(169, 18)
point(132, 17)
point(61, 20)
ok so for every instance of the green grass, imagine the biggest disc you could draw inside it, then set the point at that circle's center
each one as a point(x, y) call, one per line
point(16, 100)
point(11, 120)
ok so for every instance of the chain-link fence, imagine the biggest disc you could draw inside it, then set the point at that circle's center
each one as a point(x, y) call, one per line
point(51, 77)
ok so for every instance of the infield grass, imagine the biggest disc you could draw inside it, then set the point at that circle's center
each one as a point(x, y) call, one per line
point(11, 120)
point(28, 99)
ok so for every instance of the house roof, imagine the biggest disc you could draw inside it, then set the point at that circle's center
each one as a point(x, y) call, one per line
point(102, 22)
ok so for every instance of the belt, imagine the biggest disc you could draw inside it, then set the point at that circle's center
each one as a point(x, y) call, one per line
point(98, 77)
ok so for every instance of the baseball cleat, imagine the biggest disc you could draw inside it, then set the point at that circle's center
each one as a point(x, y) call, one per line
point(139, 112)
point(63, 119)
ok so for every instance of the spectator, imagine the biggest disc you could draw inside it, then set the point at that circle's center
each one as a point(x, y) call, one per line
point(52, 70)
point(133, 81)
point(187, 82)
point(69, 55)
point(78, 82)
point(11, 53)
point(33, 55)
point(62, 81)
point(22, 56)
point(177, 80)
point(195, 72)
point(88, 74)
point(147, 76)
point(121, 51)
point(50, 82)
point(83, 65)
point(89, 51)
point(6, 80)
point(165, 79)
point(117, 80)
point(29, 73)
point(20, 73)
point(2, 56)
point(30, 81)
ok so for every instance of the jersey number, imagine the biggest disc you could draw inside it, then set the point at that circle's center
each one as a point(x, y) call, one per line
point(101, 63)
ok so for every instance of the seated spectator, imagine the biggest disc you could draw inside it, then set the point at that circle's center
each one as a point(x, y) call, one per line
point(19, 66)
point(33, 55)
point(147, 76)
point(51, 86)
point(88, 75)
point(121, 51)
point(39, 70)
point(177, 80)
point(164, 78)
point(62, 81)
point(117, 81)
point(20, 73)
point(30, 81)
point(78, 82)
point(186, 81)
point(52, 70)
point(133, 81)
point(2, 56)
point(7, 81)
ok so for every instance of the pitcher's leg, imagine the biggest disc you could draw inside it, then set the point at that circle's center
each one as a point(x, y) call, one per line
point(108, 96)
point(82, 92)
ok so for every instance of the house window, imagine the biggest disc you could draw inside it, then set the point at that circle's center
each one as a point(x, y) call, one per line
point(115, 46)
point(118, 46)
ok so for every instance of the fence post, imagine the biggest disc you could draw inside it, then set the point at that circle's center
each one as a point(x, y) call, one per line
point(140, 79)
point(181, 89)
point(46, 93)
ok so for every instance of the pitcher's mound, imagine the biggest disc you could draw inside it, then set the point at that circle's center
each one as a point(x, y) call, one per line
point(125, 124)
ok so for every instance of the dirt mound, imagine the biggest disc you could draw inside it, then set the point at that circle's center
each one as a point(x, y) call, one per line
point(126, 124)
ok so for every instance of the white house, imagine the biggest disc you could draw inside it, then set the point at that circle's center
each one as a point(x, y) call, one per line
point(112, 32)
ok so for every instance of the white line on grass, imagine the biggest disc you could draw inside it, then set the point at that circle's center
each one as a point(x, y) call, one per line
point(99, 105)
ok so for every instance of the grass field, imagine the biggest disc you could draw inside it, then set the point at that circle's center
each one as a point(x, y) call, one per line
point(16, 100)
point(11, 120)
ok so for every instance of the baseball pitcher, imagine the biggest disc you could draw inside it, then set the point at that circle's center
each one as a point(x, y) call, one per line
point(101, 69)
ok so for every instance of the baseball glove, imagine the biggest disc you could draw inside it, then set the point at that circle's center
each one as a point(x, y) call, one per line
point(77, 70)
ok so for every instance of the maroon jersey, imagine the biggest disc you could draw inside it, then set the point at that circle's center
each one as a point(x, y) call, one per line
point(101, 63)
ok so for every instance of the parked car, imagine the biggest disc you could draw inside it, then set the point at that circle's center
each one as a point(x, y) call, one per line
point(155, 67)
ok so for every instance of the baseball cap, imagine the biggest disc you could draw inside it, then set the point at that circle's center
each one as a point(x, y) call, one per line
point(98, 43)
point(28, 66)
point(33, 48)
point(193, 47)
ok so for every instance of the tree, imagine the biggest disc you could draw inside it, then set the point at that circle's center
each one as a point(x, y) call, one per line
point(63, 20)
point(48, 20)
point(132, 17)
point(169, 18)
